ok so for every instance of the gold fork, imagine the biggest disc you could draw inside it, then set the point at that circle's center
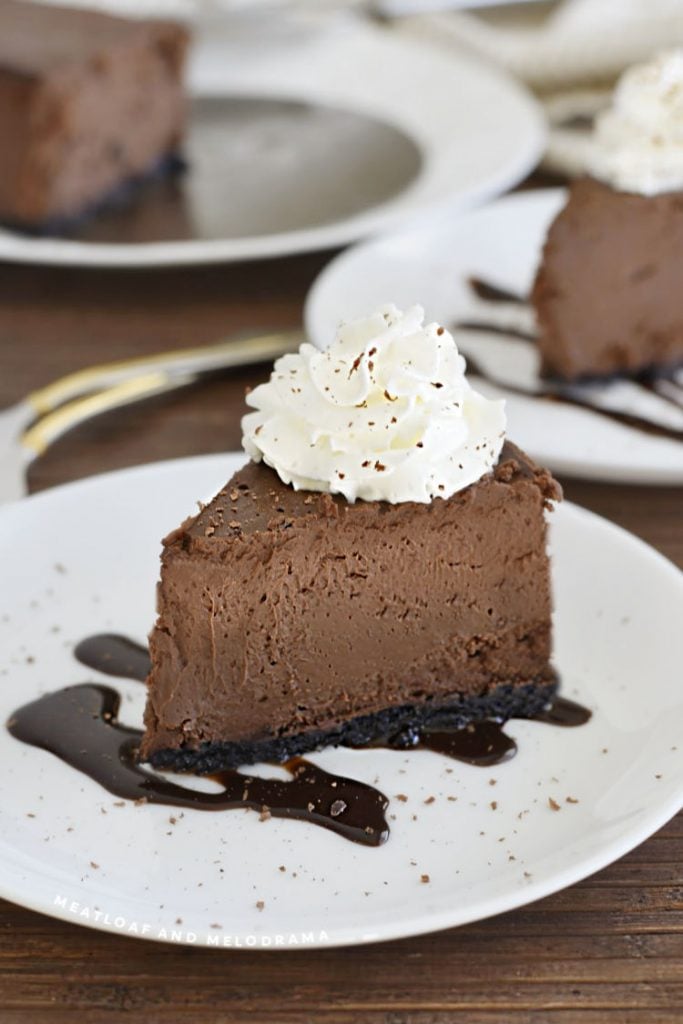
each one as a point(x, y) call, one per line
point(30, 427)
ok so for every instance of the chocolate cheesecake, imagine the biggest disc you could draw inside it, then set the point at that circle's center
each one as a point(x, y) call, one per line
point(289, 620)
point(90, 105)
point(607, 294)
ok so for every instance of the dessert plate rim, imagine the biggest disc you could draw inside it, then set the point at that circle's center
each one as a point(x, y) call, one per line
point(23, 882)
point(405, 266)
point(496, 159)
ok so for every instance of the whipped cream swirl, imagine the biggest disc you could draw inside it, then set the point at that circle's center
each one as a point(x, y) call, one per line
point(638, 142)
point(384, 414)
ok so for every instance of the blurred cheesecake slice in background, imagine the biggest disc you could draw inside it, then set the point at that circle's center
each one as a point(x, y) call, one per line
point(608, 295)
point(89, 105)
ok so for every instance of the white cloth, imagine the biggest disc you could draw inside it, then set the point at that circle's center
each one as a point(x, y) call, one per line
point(579, 41)
point(191, 10)
point(571, 56)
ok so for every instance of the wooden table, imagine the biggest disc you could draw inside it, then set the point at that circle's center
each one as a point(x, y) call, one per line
point(608, 949)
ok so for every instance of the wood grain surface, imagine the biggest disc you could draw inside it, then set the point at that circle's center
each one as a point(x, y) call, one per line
point(608, 949)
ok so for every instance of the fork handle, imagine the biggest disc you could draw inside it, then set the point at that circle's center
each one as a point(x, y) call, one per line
point(40, 436)
point(224, 354)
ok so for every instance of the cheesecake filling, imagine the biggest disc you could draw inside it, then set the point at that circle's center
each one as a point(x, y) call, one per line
point(638, 141)
point(384, 414)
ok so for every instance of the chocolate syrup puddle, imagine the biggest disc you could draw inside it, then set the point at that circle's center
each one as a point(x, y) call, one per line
point(645, 426)
point(661, 385)
point(115, 655)
point(563, 712)
point(488, 292)
point(491, 328)
point(482, 743)
point(79, 724)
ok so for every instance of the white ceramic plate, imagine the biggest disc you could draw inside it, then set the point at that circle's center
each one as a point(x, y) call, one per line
point(477, 133)
point(84, 558)
point(500, 243)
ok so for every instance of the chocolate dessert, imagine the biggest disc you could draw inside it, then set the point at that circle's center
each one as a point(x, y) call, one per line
point(607, 294)
point(89, 105)
point(289, 620)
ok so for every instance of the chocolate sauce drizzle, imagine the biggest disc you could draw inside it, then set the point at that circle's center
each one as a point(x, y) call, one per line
point(564, 712)
point(482, 743)
point(660, 384)
point(79, 724)
point(488, 292)
point(505, 332)
point(115, 655)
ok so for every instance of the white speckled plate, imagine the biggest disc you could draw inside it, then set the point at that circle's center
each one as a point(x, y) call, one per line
point(501, 243)
point(84, 559)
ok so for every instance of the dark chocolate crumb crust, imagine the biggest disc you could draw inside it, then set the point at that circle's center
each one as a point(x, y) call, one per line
point(166, 167)
point(502, 703)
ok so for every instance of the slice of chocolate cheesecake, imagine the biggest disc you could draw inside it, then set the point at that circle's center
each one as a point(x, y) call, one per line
point(607, 294)
point(291, 619)
point(90, 106)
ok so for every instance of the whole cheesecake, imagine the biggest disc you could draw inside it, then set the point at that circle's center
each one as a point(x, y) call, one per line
point(291, 618)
